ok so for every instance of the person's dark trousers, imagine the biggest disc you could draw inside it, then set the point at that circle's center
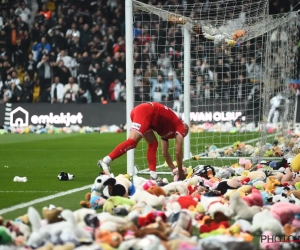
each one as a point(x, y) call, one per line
point(45, 84)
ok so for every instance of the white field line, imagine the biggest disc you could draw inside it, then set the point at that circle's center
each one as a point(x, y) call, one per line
point(144, 171)
point(46, 198)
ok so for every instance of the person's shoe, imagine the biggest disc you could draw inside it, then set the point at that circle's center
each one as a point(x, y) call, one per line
point(105, 167)
point(157, 180)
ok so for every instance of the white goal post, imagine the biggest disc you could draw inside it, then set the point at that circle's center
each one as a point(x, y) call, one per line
point(129, 83)
point(226, 35)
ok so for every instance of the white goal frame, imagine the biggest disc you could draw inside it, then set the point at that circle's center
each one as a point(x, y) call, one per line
point(129, 22)
point(129, 85)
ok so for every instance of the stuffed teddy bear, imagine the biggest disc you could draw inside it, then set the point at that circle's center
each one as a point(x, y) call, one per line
point(176, 187)
point(284, 212)
point(238, 33)
point(289, 178)
point(254, 199)
point(96, 198)
point(118, 186)
point(264, 221)
point(65, 176)
point(218, 220)
point(113, 239)
point(153, 200)
point(98, 186)
point(240, 208)
point(157, 191)
point(228, 151)
point(112, 202)
point(52, 214)
point(225, 185)
point(271, 184)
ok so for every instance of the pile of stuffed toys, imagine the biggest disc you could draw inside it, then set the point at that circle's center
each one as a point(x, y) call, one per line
point(214, 208)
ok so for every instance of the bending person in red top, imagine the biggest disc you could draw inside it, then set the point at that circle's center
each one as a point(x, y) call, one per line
point(147, 118)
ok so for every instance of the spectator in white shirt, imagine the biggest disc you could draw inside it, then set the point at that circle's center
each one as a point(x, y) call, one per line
point(71, 91)
point(57, 91)
point(68, 61)
point(72, 32)
point(14, 78)
point(23, 12)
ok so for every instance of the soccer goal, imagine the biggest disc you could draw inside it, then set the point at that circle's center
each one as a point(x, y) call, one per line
point(225, 68)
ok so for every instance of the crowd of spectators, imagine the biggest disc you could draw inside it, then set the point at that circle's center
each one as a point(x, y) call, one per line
point(68, 51)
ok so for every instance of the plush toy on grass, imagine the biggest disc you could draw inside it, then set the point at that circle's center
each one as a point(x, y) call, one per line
point(65, 176)
point(112, 202)
point(118, 186)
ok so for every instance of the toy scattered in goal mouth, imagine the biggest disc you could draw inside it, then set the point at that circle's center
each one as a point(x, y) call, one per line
point(177, 19)
point(224, 40)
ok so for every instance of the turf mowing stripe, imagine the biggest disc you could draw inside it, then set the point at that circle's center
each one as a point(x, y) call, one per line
point(46, 198)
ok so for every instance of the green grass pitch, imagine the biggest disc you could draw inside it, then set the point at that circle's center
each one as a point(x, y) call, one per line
point(42, 157)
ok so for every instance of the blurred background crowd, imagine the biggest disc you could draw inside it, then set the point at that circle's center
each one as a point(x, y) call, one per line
point(65, 51)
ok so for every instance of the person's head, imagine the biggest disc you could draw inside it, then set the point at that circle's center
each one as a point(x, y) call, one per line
point(98, 80)
point(19, 20)
point(73, 26)
point(27, 78)
point(171, 76)
point(71, 80)
point(23, 5)
point(199, 79)
point(186, 129)
point(56, 79)
point(62, 53)
point(45, 58)
point(138, 71)
point(14, 74)
point(43, 40)
point(85, 26)
point(44, 8)
point(108, 60)
point(159, 78)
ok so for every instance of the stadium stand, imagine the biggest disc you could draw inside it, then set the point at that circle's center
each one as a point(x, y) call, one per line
point(74, 51)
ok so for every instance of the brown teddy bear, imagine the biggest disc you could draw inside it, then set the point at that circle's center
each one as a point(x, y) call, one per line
point(228, 151)
point(157, 191)
point(52, 214)
point(86, 203)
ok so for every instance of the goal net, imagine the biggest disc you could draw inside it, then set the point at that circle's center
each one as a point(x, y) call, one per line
point(238, 69)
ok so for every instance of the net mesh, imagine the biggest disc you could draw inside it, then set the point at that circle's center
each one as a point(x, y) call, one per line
point(243, 62)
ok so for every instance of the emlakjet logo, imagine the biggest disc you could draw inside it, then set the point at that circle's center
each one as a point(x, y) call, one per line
point(19, 117)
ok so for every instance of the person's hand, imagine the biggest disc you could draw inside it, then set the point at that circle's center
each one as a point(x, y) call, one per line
point(181, 175)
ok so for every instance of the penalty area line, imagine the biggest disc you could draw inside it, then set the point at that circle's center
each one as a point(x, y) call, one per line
point(39, 200)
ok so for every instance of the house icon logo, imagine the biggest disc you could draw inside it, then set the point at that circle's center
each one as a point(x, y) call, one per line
point(19, 117)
